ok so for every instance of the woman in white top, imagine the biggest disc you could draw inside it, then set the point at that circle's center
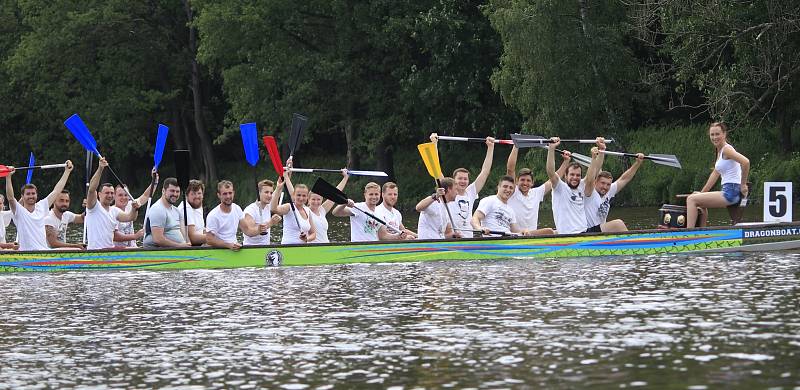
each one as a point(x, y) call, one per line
point(731, 166)
point(319, 210)
point(297, 228)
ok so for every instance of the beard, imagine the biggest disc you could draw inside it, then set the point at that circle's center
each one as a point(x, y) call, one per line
point(62, 209)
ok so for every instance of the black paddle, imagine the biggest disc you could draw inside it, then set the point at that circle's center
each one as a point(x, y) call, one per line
point(182, 166)
point(329, 191)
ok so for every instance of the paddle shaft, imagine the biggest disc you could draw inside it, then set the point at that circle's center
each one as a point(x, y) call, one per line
point(654, 158)
point(474, 139)
point(380, 221)
point(497, 232)
point(51, 166)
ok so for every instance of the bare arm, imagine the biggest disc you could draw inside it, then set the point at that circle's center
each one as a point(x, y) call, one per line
point(328, 204)
point(550, 165)
point(194, 237)
point(12, 201)
point(630, 173)
point(91, 196)
point(342, 210)
point(52, 239)
point(131, 215)
point(594, 167)
point(477, 218)
point(745, 164)
point(712, 179)
point(427, 201)
point(215, 242)
point(274, 207)
point(511, 163)
point(248, 226)
point(486, 168)
point(560, 172)
point(60, 184)
point(161, 240)
point(120, 237)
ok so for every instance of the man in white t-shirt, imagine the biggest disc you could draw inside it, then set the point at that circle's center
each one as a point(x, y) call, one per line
point(163, 226)
point(467, 193)
point(224, 220)
point(259, 213)
point(494, 215)
point(101, 218)
point(387, 212)
point(29, 214)
point(362, 226)
point(434, 223)
point(598, 204)
point(5, 220)
point(58, 221)
point(195, 218)
point(568, 196)
point(526, 200)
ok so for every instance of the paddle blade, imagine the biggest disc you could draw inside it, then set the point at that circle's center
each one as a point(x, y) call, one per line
point(4, 171)
point(299, 123)
point(250, 142)
point(329, 191)
point(81, 133)
point(669, 160)
point(31, 161)
point(430, 156)
point(161, 141)
point(581, 159)
point(182, 167)
point(529, 141)
point(274, 156)
point(368, 173)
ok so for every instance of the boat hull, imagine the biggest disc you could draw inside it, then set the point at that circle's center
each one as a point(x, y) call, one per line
point(761, 237)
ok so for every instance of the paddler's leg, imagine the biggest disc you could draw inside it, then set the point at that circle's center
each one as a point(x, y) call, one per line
point(616, 225)
point(713, 199)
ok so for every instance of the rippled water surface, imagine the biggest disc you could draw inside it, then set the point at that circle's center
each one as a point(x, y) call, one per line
point(683, 322)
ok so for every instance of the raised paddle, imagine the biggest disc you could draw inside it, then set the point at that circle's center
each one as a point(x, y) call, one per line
point(474, 139)
point(669, 160)
point(182, 167)
point(299, 123)
point(250, 143)
point(329, 191)
point(522, 142)
point(349, 172)
point(275, 157)
point(31, 161)
point(81, 133)
point(5, 170)
point(158, 154)
point(531, 140)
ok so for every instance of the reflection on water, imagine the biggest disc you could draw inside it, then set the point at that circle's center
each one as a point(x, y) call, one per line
point(684, 322)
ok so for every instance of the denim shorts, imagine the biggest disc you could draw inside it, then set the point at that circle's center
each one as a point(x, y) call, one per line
point(732, 193)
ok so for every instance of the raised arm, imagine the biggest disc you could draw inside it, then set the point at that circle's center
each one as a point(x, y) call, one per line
point(550, 165)
point(630, 173)
point(511, 163)
point(12, 200)
point(342, 210)
point(60, 184)
point(328, 204)
point(562, 169)
point(595, 166)
point(427, 201)
point(486, 168)
point(91, 196)
point(274, 207)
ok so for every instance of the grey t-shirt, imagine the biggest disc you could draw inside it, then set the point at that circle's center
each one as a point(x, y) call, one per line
point(162, 217)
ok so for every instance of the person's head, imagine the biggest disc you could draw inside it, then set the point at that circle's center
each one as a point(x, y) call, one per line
point(449, 188)
point(194, 193)
point(105, 194)
point(525, 180)
point(461, 177)
point(225, 192)
point(315, 200)
point(718, 133)
point(389, 193)
point(300, 194)
point(171, 191)
point(121, 196)
point(29, 195)
point(603, 182)
point(505, 188)
point(372, 194)
point(62, 201)
point(574, 172)
point(265, 190)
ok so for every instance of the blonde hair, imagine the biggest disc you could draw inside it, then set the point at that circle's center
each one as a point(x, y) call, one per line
point(371, 185)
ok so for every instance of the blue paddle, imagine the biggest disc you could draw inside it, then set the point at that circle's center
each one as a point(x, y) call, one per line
point(81, 133)
point(31, 161)
point(250, 143)
point(161, 141)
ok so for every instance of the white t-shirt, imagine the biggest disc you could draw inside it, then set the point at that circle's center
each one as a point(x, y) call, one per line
point(392, 217)
point(291, 234)
point(597, 207)
point(568, 211)
point(526, 207)
point(224, 225)
point(194, 217)
point(5, 220)
point(362, 226)
point(100, 226)
point(461, 210)
point(30, 226)
point(498, 215)
point(60, 225)
point(125, 227)
point(432, 222)
point(320, 226)
point(261, 216)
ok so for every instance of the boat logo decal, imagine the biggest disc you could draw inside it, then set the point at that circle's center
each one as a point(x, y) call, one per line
point(274, 258)
point(778, 232)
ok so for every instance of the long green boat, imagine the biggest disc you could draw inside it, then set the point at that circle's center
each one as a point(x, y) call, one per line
point(750, 237)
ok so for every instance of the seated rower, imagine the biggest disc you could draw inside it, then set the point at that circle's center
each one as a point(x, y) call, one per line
point(259, 211)
point(224, 220)
point(29, 213)
point(101, 219)
point(320, 208)
point(126, 235)
point(388, 213)
point(494, 213)
point(526, 200)
point(163, 226)
point(5, 220)
point(598, 203)
point(434, 223)
point(362, 226)
point(298, 226)
point(58, 221)
point(195, 219)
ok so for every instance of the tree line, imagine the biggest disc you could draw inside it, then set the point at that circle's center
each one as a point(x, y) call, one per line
point(375, 77)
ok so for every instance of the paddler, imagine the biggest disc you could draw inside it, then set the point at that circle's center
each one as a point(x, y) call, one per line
point(195, 219)
point(362, 226)
point(298, 226)
point(526, 199)
point(598, 203)
point(224, 220)
point(495, 214)
point(5, 220)
point(260, 214)
point(434, 224)
point(387, 212)
point(126, 235)
point(164, 223)
point(320, 208)
point(57, 223)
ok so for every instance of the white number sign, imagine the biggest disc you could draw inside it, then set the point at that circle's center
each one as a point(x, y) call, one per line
point(778, 202)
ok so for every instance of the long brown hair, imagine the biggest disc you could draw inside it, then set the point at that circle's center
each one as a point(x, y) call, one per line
point(724, 129)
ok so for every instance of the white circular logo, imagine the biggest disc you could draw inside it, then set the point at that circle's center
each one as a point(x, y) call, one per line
point(274, 258)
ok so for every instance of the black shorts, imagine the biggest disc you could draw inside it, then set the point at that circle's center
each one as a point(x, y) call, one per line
point(594, 229)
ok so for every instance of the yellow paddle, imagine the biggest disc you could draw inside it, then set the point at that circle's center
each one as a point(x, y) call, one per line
point(430, 156)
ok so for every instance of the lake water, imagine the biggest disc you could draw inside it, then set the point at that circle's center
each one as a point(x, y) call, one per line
point(677, 321)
